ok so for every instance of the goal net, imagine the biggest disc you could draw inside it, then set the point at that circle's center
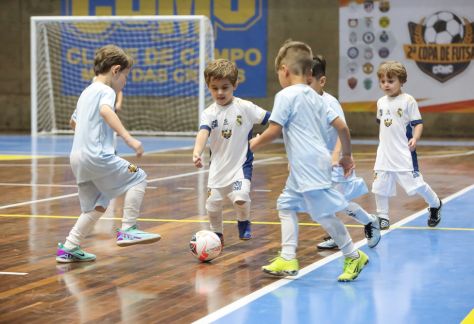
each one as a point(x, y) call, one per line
point(165, 91)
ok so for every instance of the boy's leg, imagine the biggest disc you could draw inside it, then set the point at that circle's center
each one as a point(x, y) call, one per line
point(384, 186)
point(370, 222)
point(240, 197)
point(286, 263)
point(382, 211)
point(214, 212)
point(129, 234)
point(413, 183)
point(91, 200)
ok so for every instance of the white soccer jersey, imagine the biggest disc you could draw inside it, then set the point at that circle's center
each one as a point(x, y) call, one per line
point(336, 106)
point(230, 129)
point(397, 117)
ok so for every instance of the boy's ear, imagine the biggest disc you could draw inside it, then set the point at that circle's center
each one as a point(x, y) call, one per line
point(236, 85)
point(322, 81)
point(115, 69)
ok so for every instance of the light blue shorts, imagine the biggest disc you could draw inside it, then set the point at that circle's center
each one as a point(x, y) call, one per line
point(318, 203)
point(351, 187)
point(99, 192)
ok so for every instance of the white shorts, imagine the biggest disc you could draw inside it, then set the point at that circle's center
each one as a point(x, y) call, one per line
point(99, 192)
point(317, 203)
point(237, 191)
point(351, 187)
point(385, 182)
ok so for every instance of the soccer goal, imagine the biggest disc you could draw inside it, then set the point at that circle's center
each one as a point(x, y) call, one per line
point(165, 91)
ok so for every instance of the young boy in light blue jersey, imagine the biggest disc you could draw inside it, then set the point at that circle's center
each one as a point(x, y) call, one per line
point(303, 117)
point(352, 186)
point(100, 174)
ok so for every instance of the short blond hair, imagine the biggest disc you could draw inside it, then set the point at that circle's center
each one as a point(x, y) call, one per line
point(110, 55)
point(392, 69)
point(221, 69)
point(297, 56)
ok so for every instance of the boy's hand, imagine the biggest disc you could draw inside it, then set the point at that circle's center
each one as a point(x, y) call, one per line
point(253, 142)
point(136, 145)
point(197, 160)
point(412, 144)
point(347, 164)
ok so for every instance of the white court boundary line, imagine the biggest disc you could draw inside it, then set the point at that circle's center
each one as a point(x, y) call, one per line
point(14, 273)
point(282, 282)
point(182, 175)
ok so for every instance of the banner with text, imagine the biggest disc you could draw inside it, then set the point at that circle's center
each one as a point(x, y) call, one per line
point(434, 40)
point(240, 32)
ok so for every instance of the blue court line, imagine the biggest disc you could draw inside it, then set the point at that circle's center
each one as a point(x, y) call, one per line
point(60, 145)
point(414, 276)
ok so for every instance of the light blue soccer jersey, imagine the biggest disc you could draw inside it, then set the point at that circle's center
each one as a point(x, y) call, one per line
point(93, 145)
point(305, 120)
point(334, 104)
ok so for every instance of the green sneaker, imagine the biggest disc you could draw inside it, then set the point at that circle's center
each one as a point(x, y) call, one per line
point(352, 267)
point(133, 235)
point(64, 255)
point(282, 267)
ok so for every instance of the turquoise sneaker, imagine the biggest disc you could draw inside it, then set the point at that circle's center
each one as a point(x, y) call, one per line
point(64, 255)
point(282, 267)
point(133, 235)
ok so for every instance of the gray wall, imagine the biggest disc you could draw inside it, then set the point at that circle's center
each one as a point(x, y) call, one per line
point(312, 21)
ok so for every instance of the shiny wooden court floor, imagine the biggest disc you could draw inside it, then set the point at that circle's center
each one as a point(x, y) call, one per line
point(162, 282)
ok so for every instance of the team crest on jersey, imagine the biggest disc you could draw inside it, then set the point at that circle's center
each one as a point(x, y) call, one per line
point(239, 120)
point(400, 112)
point(132, 168)
point(387, 122)
point(226, 133)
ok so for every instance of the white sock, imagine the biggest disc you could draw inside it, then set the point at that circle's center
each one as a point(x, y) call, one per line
point(289, 234)
point(429, 196)
point(243, 211)
point(359, 214)
point(83, 226)
point(132, 203)
point(338, 232)
point(382, 206)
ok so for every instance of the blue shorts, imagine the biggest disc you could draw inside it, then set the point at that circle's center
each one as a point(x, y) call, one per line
point(98, 192)
point(318, 203)
point(351, 187)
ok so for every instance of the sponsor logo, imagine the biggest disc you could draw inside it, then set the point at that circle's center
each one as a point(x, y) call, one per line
point(132, 168)
point(368, 83)
point(384, 52)
point(214, 124)
point(368, 53)
point(368, 68)
point(369, 5)
point(384, 22)
point(442, 44)
point(383, 37)
point(384, 5)
point(353, 22)
point(368, 37)
point(353, 38)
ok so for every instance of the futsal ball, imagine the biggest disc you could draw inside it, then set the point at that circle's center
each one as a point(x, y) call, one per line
point(205, 245)
point(444, 27)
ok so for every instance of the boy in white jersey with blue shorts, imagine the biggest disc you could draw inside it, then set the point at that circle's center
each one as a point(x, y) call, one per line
point(303, 118)
point(100, 174)
point(352, 186)
point(227, 123)
point(396, 162)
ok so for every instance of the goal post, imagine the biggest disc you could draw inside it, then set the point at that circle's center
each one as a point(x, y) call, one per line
point(165, 92)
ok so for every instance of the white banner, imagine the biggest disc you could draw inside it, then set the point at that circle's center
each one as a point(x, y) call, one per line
point(434, 39)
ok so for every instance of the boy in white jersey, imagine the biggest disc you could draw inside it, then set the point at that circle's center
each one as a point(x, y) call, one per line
point(100, 174)
point(352, 186)
point(227, 123)
point(400, 129)
point(303, 117)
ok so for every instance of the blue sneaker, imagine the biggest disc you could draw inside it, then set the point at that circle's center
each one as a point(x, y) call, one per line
point(133, 235)
point(64, 255)
point(245, 233)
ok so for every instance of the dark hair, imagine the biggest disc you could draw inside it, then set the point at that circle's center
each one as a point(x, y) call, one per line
point(110, 55)
point(319, 66)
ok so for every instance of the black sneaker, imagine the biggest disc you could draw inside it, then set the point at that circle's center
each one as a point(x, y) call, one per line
point(435, 215)
point(221, 237)
point(384, 223)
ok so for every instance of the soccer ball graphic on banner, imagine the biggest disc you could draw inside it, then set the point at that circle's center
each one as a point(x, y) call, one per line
point(444, 27)
point(205, 245)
